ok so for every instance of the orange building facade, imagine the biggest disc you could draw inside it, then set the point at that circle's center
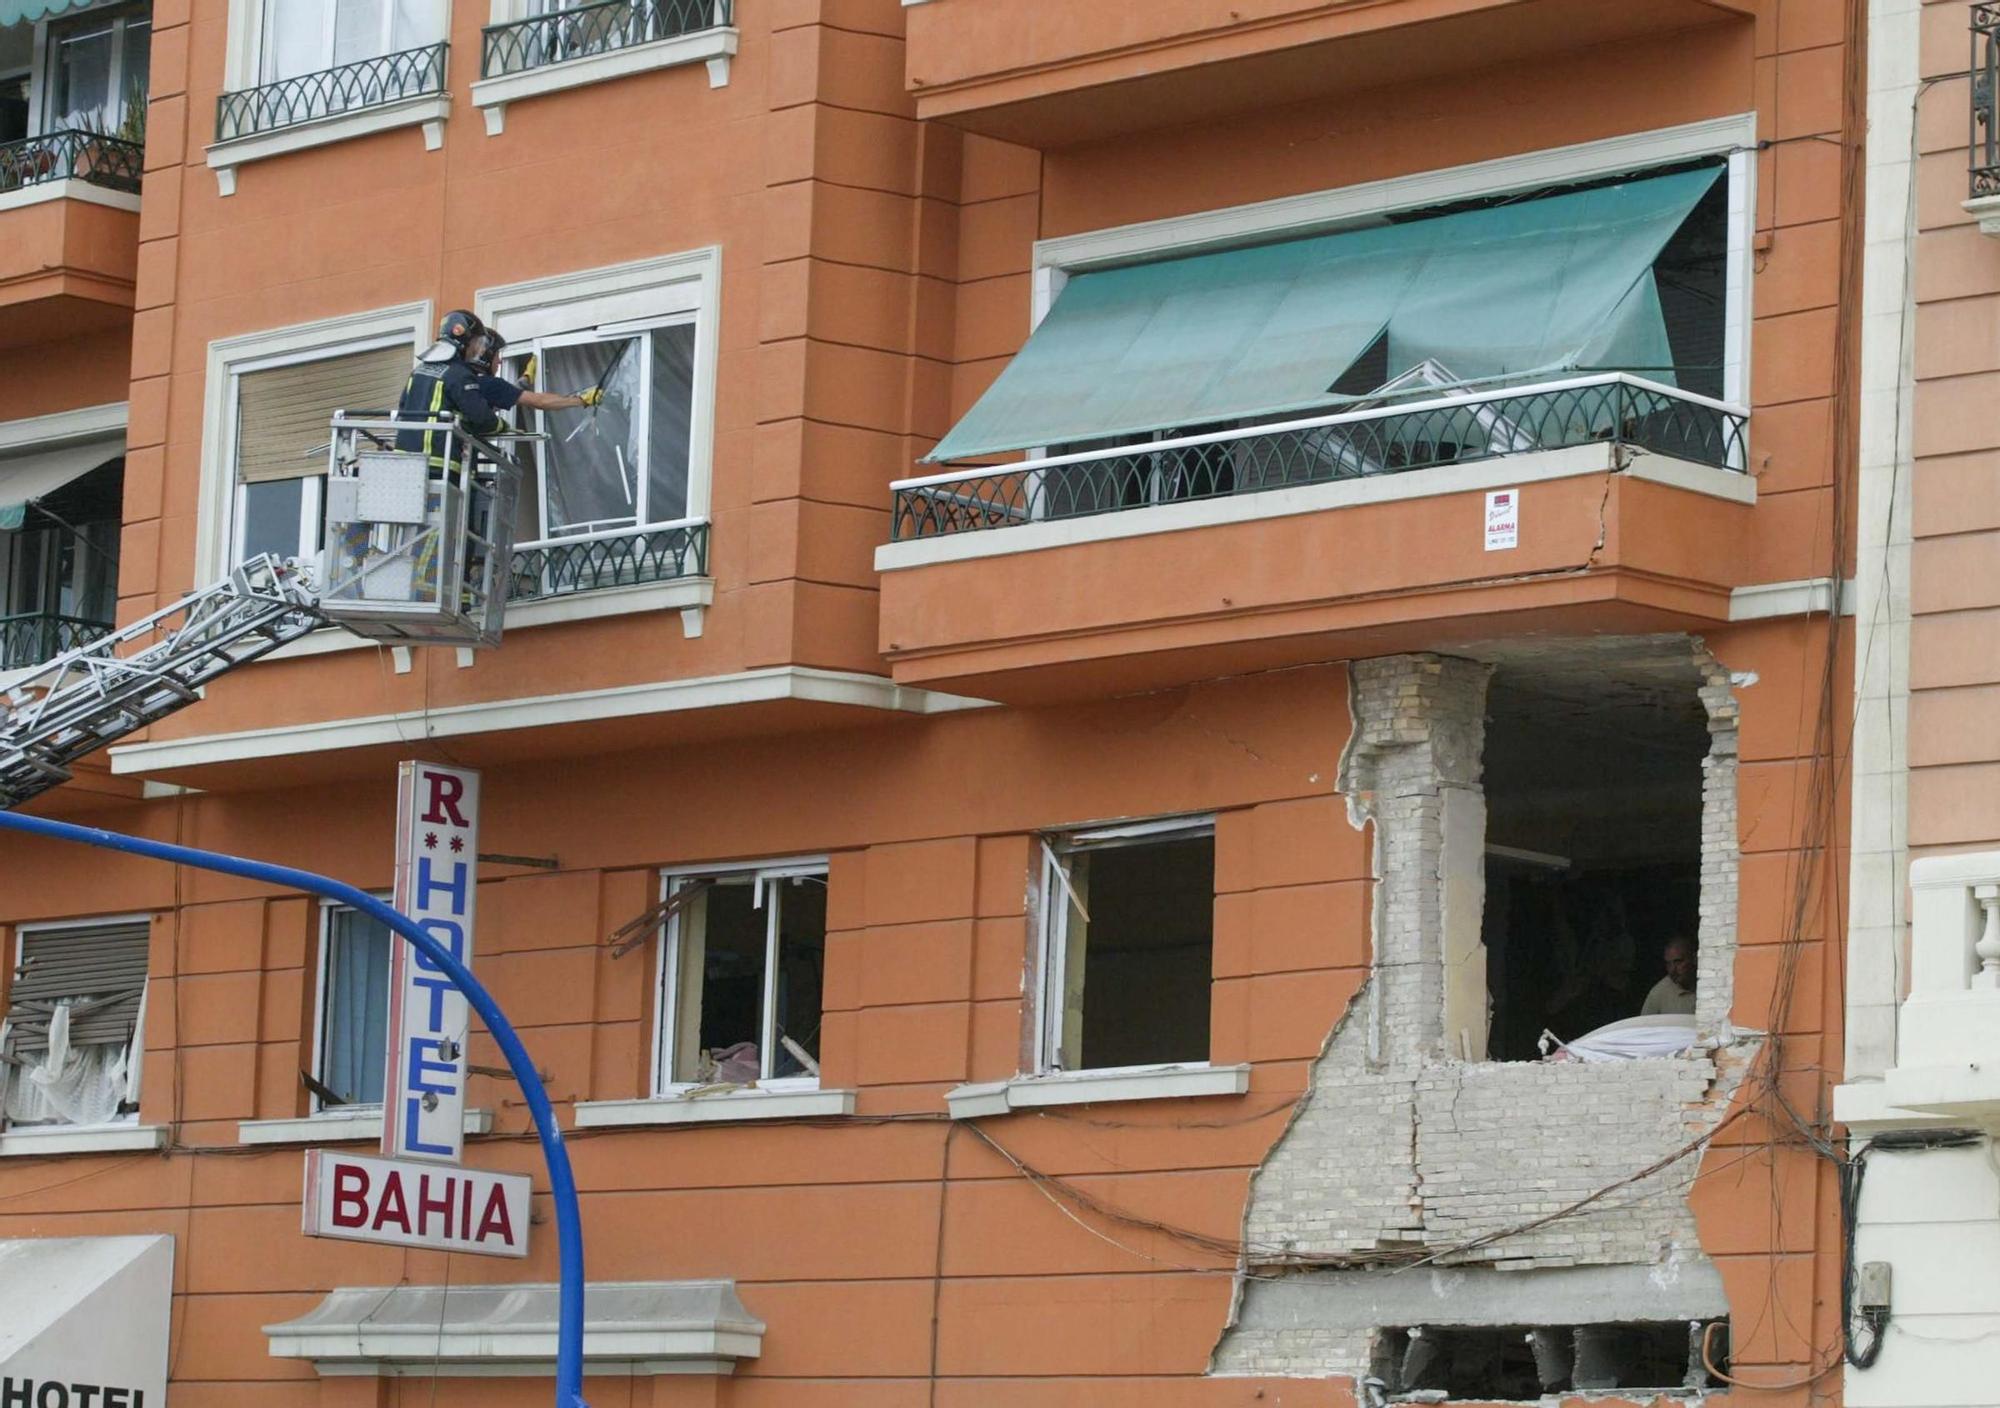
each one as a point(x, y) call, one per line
point(1173, 608)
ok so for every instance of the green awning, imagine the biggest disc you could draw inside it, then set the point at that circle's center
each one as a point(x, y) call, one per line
point(24, 479)
point(1538, 286)
point(21, 11)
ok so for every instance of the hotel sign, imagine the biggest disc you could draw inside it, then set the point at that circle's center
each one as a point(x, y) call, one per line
point(408, 1204)
point(437, 860)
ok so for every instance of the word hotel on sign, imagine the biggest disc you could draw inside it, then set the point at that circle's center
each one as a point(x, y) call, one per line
point(53, 1393)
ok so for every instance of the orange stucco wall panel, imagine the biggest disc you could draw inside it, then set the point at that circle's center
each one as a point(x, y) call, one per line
point(1302, 574)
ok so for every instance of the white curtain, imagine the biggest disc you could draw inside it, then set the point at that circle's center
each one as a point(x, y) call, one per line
point(80, 1085)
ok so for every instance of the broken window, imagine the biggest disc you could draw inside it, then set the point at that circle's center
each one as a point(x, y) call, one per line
point(1501, 1362)
point(354, 1008)
point(72, 1041)
point(1127, 945)
point(1593, 773)
point(622, 467)
point(742, 976)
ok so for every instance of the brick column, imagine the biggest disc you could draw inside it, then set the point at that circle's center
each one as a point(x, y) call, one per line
point(1412, 767)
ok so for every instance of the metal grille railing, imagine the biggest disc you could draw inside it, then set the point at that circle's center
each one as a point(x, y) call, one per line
point(623, 559)
point(30, 637)
point(583, 30)
point(1617, 409)
point(72, 155)
point(386, 78)
point(1985, 69)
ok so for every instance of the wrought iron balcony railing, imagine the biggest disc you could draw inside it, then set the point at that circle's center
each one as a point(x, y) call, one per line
point(1985, 69)
point(625, 557)
point(71, 155)
point(1614, 408)
point(386, 78)
point(582, 30)
point(30, 637)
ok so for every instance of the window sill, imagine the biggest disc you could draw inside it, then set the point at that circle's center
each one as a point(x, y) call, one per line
point(429, 111)
point(84, 1139)
point(337, 1129)
point(690, 596)
point(715, 1109)
point(1096, 1087)
point(714, 47)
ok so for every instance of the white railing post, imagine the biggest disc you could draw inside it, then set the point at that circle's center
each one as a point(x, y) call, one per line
point(1988, 946)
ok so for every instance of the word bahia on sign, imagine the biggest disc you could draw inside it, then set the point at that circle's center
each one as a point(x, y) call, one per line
point(410, 1204)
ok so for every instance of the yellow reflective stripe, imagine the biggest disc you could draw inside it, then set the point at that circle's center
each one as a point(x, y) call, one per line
point(437, 405)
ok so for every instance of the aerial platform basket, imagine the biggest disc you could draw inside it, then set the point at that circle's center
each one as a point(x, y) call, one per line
point(419, 529)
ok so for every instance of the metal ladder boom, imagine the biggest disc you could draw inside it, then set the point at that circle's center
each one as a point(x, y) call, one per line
point(90, 697)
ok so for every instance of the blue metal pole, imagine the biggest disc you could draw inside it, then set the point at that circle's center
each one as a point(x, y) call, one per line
point(562, 1182)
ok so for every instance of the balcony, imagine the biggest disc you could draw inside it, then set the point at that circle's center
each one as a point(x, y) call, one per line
point(377, 94)
point(69, 234)
point(595, 43)
point(595, 562)
point(1604, 502)
point(1026, 70)
point(30, 637)
point(1983, 145)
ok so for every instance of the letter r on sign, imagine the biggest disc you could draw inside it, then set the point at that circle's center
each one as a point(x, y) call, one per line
point(446, 791)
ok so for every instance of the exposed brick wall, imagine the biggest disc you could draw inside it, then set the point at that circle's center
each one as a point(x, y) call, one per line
point(1398, 1144)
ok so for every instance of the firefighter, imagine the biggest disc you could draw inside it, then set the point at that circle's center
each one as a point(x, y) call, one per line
point(458, 376)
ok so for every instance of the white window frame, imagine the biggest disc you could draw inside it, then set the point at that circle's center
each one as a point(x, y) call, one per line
point(217, 511)
point(320, 1110)
point(642, 474)
point(1052, 932)
point(243, 65)
point(38, 73)
point(19, 953)
point(667, 971)
point(267, 67)
point(628, 297)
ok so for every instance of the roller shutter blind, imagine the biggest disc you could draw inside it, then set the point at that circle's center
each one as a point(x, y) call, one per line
point(282, 413)
point(101, 968)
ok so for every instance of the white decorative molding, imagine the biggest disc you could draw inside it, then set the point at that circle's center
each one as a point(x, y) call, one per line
point(778, 683)
point(1503, 473)
point(38, 1141)
point(722, 1107)
point(406, 323)
point(1986, 210)
point(428, 112)
point(337, 1127)
point(1183, 1082)
point(63, 427)
point(714, 47)
point(68, 190)
point(629, 1328)
point(1807, 596)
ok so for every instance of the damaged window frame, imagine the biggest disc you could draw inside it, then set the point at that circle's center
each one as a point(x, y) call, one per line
point(17, 952)
point(1059, 901)
point(645, 516)
point(330, 912)
point(767, 878)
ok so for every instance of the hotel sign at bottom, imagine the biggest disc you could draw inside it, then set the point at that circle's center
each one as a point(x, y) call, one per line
point(410, 1204)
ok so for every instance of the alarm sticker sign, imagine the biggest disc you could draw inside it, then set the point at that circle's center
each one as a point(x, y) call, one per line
point(1503, 519)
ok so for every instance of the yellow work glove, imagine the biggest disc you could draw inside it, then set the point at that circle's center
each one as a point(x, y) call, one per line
point(592, 397)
